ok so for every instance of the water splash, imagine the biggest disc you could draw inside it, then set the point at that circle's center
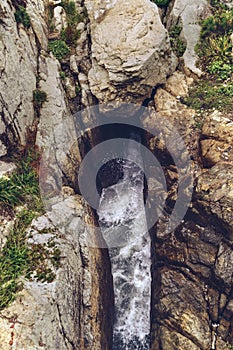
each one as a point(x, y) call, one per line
point(123, 223)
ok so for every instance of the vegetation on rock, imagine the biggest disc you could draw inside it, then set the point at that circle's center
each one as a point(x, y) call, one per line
point(178, 45)
point(70, 34)
point(59, 49)
point(21, 16)
point(39, 97)
point(18, 258)
point(215, 50)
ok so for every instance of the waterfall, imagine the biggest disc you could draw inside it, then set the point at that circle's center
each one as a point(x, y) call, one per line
point(123, 224)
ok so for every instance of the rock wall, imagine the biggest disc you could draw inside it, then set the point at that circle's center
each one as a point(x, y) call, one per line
point(75, 310)
point(191, 268)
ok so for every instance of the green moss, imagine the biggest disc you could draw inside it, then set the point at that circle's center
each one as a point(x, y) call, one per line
point(62, 75)
point(21, 16)
point(39, 97)
point(59, 49)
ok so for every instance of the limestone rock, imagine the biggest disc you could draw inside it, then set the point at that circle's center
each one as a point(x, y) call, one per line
point(214, 193)
point(178, 84)
point(68, 312)
point(216, 146)
point(56, 133)
point(6, 168)
point(59, 18)
point(188, 13)
point(18, 71)
point(130, 51)
point(3, 149)
point(36, 10)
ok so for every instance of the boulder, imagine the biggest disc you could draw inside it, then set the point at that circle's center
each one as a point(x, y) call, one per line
point(131, 52)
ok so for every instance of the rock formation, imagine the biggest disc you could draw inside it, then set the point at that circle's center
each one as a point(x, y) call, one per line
point(118, 51)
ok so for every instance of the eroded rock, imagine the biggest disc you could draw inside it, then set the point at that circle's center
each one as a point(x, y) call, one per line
point(68, 312)
point(216, 143)
point(188, 13)
point(130, 51)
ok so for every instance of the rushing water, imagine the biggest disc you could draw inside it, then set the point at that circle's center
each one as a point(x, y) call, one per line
point(123, 223)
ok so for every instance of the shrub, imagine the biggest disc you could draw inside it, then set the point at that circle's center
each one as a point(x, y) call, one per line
point(177, 44)
point(222, 71)
point(208, 95)
point(59, 49)
point(219, 23)
point(162, 3)
point(39, 97)
point(21, 16)
point(70, 34)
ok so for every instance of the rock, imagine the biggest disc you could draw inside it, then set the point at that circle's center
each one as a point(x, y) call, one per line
point(6, 169)
point(188, 13)
point(18, 71)
point(56, 132)
point(170, 106)
point(36, 10)
point(214, 193)
point(216, 146)
point(218, 127)
point(3, 149)
point(68, 312)
point(59, 18)
point(178, 84)
point(133, 54)
point(192, 274)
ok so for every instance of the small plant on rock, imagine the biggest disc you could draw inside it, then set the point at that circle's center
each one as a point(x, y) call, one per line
point(178, 45)
point(59, 49)
point(39, 97)
point(21, 16)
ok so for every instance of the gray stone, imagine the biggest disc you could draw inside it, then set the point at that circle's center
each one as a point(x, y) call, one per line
point(130, 50)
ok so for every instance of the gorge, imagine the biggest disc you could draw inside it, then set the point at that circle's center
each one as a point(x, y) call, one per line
point(134, 284)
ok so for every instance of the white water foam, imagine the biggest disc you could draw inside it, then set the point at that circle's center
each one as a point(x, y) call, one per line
point(123, 223)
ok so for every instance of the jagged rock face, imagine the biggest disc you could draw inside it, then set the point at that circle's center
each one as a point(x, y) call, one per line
point(69, 313)
point(216, 143)
point(192, 266)
point(18, 71)
point(191, 306)
point(130, 50)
